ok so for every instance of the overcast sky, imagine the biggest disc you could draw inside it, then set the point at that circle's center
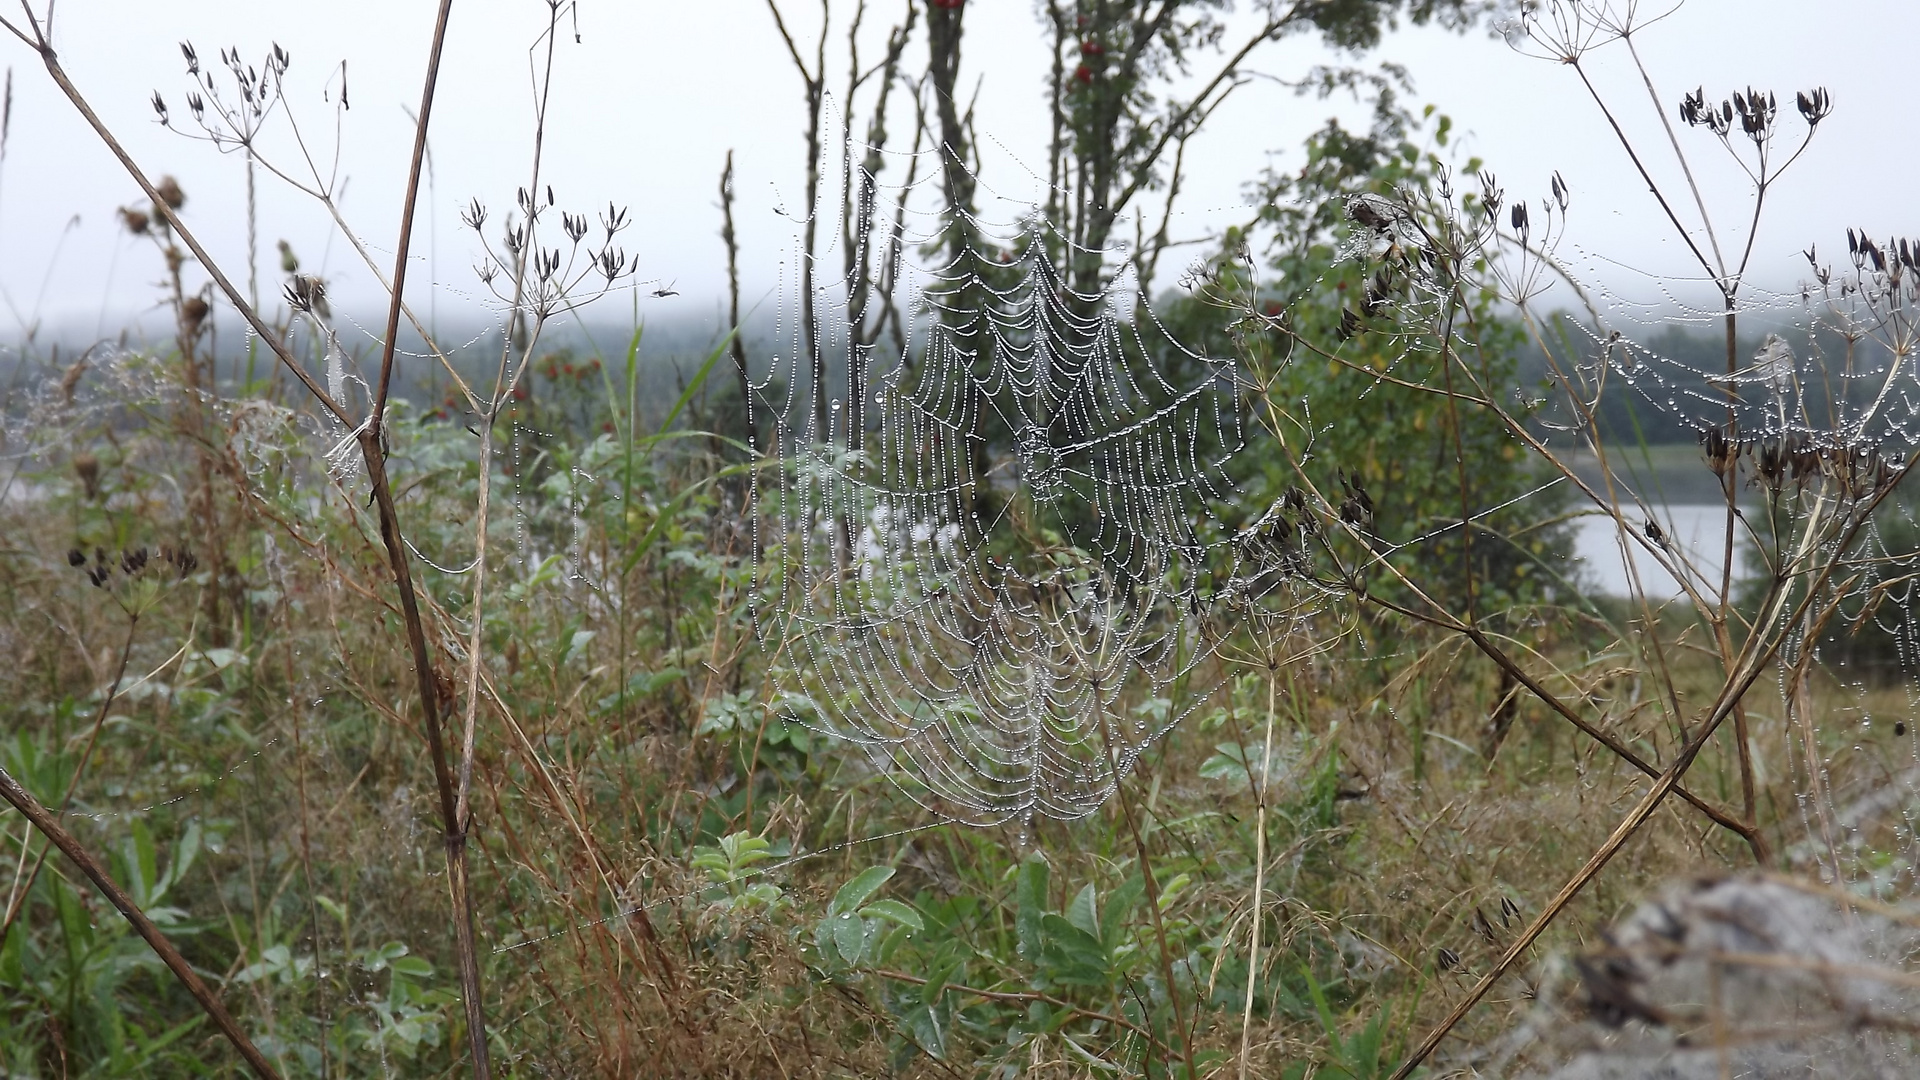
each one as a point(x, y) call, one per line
point(648, 102)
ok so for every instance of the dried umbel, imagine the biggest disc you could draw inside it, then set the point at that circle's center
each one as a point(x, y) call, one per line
point(1721, 452)
point(307, 294)
point(134, 221)
point(133, 565)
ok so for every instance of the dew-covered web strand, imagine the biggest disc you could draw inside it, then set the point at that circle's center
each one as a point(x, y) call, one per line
point(1833, 387)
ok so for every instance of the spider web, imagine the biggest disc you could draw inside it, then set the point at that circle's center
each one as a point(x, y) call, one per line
point(990, 529)
point(1823, 415)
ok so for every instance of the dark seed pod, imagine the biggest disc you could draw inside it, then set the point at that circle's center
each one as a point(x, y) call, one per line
point(1656, 534)
point(76, 557)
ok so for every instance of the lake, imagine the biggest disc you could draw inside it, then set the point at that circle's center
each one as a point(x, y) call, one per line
point(1696, 528)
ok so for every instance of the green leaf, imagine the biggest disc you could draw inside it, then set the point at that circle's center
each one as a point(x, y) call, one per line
point(413, 967)
point(857, 892)
point(1173, 889)
point(1120, 907)
point(928, 1027)
point(332, 907)
point(849, 936)
point(1075, 955)
point(1083, 912)
point(1030, 900)
point(185, 852)
point(895, 911)
point(1228, 763)
point(937, 980)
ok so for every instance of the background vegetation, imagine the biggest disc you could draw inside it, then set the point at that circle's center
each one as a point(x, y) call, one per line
point(211, 680)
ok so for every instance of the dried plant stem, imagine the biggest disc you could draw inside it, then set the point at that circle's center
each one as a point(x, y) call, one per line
point(1259, 867)
point(45, 821)
point(372, 435)
point(17, 896)
point(1153, 893)
point(739, 347)
point(370, 441)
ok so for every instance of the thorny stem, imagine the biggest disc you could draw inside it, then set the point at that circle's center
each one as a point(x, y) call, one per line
point(50, 826)
point(17, 896)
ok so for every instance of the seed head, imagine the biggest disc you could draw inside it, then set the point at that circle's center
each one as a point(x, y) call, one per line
point(87, 468)
point(193, 312)
point(1815, 105)
point(1756, 112)
point(169, 190)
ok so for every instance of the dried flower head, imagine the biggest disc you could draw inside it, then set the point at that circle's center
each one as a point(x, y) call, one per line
point(170, 193)
point(87, 468)
point(193, 312)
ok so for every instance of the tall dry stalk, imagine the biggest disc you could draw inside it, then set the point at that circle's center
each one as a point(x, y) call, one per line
point(36, 31)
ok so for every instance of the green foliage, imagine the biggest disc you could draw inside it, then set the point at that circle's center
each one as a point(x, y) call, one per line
point(1380, 406)
point(730, 863)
